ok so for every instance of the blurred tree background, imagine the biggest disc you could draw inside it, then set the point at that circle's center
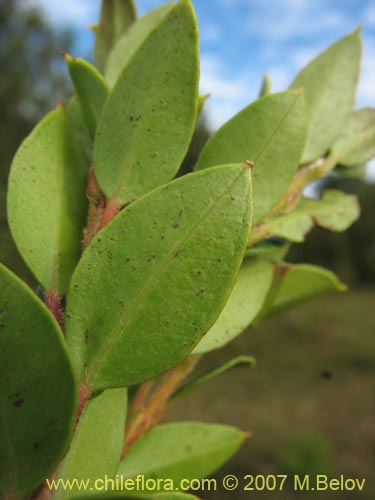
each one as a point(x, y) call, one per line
point(308, 400)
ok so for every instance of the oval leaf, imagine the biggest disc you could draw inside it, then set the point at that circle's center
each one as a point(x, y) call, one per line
point(96, 446)
point(183, 450)
point(128, 44)
point(116, 16)
point(245, 302)
point(329, 83)
point(356, 142)
point(239, 361)
point(91, 90)
point(78, 125)
point(149, 118)
point(270, 132)
point(47, 201)
point(296, 284)
point(336, 211)
point(37, 390)
point(172, 258)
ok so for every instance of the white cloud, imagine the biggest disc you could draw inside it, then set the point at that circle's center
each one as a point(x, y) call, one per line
point(228, 92)
point(293, 18)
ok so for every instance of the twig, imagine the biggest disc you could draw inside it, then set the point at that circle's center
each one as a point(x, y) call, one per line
point(153, 412)
point(289, 201)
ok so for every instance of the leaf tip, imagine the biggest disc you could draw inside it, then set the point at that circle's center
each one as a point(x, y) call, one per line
point(247, 435)
point(60, 106)
point(93, 27)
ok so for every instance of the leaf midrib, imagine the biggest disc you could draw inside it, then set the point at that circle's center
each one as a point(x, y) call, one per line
point(138, 301)
point(127, 163)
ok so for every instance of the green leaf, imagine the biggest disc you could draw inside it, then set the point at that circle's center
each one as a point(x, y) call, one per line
point(336, 211)
point(116, 16)
point(224, 367)
point(296, 284)
point(292, 226)
point(47, 201)
point(357, 172)
point(245, 302)
point(79, 128)
point(356, 142)
point(183, 450)
point(149, 118)
point(97, 443)
point(37, 390)
point(329, 83)
point(171, 257)
point(91, 90)
point(270, 132)
point(201, 101)
point(128, 44)
point(273, 251)
point(266, 86)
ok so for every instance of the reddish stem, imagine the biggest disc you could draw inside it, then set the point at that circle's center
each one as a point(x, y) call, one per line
point(112, 208)
point(153, 412)
point(53, 302)
point(84, 395)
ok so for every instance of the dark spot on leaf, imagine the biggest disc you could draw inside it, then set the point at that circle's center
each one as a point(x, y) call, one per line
point(175, 226)
point(232, 198)
point(87, 335)
point(220, 259)
point(109, 256)
point(199, 273)
point(200, 292)
point(18, 402)
point(162, 237)
point(36, 446)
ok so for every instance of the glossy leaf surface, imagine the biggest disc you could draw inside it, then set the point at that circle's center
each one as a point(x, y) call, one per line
point(245, 301)
point(171, 257)
point(47, 201)
point(270, 132)
point(37, 390)
point(329, 84)
point(96, 446)
point(149, 117)
point(183, 450)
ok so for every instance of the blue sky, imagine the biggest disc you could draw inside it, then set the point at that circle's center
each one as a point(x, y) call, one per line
point(242, 39)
